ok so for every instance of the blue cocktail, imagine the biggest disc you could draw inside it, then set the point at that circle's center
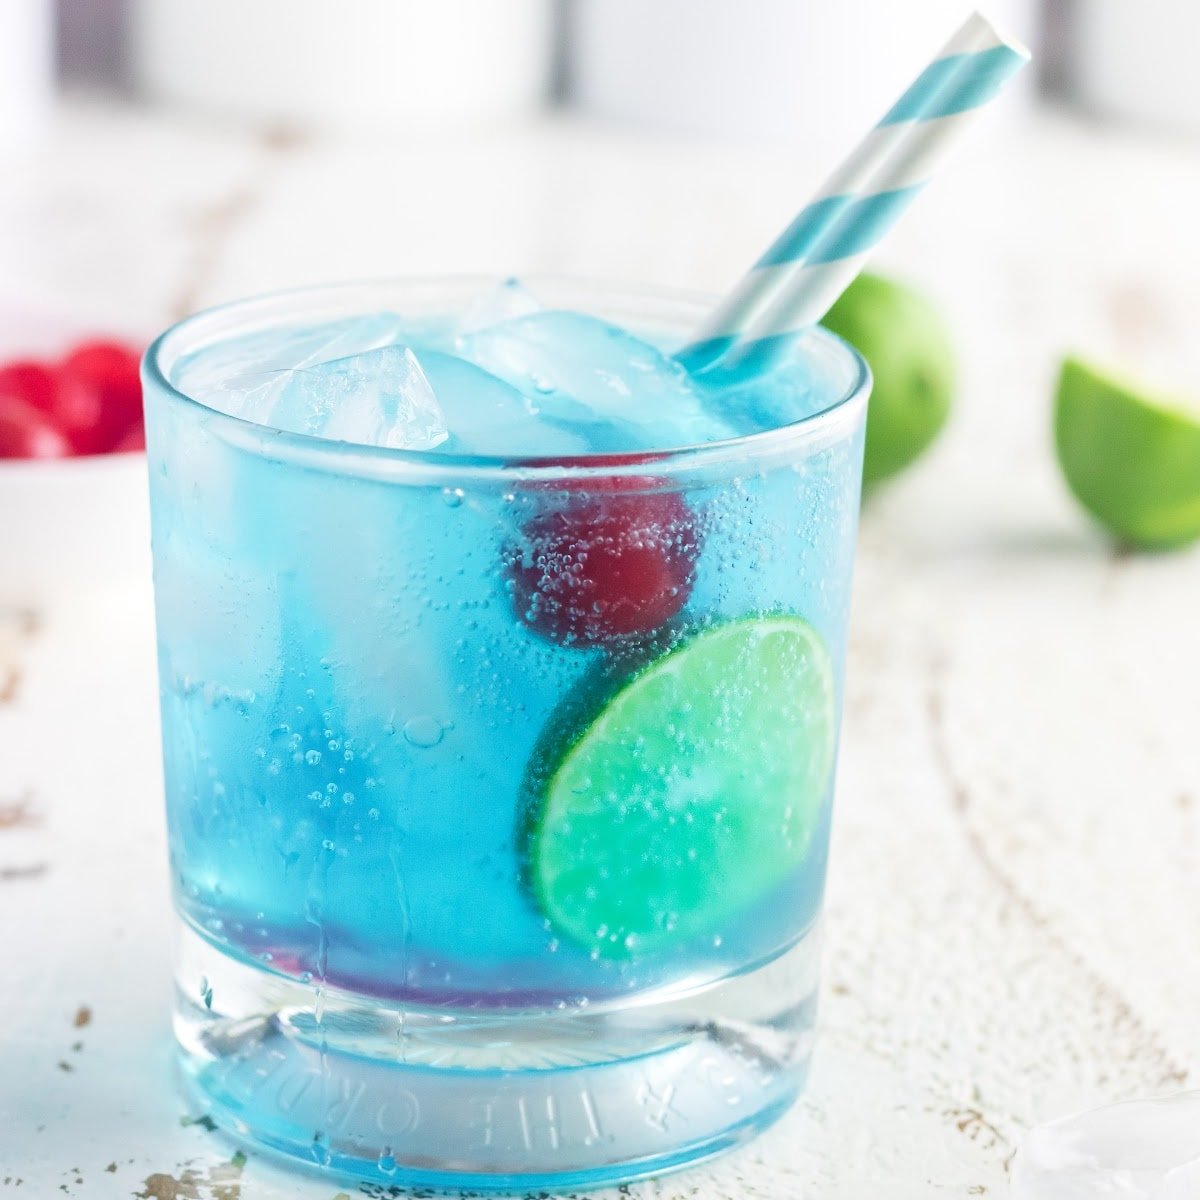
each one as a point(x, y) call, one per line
point(500, 664)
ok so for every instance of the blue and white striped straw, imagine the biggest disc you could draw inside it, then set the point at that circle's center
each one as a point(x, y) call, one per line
point(797, 280)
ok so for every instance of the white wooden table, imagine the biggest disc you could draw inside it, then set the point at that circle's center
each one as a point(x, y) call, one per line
point(1014, 905)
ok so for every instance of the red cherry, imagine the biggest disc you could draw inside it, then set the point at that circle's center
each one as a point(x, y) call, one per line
point(605, 560)
point(78, 412)
point(100, 395)
point(134, 438)
point(34, 382)
point(25, 432)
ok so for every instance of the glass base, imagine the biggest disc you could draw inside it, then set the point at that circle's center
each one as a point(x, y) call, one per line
point(501, 1100)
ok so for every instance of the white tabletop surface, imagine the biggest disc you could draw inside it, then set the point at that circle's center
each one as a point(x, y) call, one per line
point(1014, 900)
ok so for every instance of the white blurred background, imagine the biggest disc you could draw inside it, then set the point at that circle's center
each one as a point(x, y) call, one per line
point(369, 135)
point(665, 141)
point(804, 73)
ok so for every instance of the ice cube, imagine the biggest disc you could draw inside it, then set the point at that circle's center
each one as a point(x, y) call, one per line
point(597, 380)
point(380, 398)
point(506, 301)
point(1141, 1150)
point(350, 380)
point(244, 376)
point(488, 416)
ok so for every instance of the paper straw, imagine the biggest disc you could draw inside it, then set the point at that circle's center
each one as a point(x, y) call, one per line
point(794, 284)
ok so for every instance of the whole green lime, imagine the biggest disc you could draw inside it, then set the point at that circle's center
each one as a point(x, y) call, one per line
point(904, 339)
point(1132, 461)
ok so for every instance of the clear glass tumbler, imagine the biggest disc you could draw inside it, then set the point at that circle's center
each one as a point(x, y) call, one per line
point(466, 897)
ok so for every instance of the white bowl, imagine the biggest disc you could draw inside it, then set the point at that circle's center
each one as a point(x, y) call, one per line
point(809, 75)
point(68, 526)
point(356, 64)
point(1137, 61)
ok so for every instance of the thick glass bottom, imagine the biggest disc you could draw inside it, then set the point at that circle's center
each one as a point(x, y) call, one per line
point(480, 1098)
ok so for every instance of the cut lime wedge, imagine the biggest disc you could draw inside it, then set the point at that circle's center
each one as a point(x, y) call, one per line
point(695, 790)
point(1132, 461)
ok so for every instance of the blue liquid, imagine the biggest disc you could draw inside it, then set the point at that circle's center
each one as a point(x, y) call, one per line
point(351, 698)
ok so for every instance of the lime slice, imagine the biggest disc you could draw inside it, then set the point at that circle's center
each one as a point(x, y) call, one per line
point(695, 791)
point(904, 339)
point(1133, 462)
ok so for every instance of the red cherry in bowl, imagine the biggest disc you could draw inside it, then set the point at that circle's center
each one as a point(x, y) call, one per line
point(34, 382)
point(133, 439)
point(605, 559)
point(73, 407)
point(99, 395)
point(26, 432)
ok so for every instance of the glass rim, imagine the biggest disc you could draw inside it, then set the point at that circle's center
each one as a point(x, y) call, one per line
point(816, 431)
